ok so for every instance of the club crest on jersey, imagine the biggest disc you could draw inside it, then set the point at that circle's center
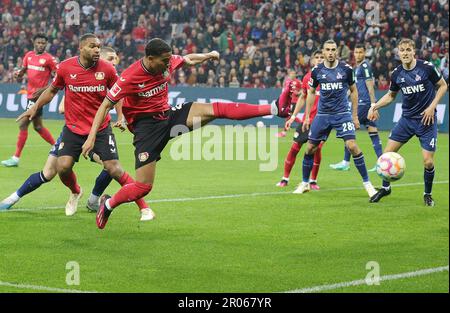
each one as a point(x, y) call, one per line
point(42, 61)
point(99, 75)
point(143, 156)
point(339, 76)
point(418, 78)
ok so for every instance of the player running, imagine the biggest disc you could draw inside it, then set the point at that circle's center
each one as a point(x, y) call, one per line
point(417, 80)
point(34, 181)
point(335, 79)
point(38, 65)
point(291, 91)
point(85, 79)
point(144, 88)
point(366, 95)
point(301, 137)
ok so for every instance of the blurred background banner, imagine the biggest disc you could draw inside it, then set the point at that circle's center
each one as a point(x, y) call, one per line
point(12, 103)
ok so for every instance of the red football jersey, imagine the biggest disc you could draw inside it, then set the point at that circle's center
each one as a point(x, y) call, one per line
point(313, 111)
point(85, 89)
point(142, 91)
point(39, 70)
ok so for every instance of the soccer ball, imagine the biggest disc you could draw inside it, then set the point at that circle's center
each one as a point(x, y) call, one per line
point(391, 166)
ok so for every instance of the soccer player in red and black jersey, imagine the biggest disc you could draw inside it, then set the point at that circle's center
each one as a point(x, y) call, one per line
point(291, 90)
point(301, 137)
point(144, 88)
point(38, 65)
point(86, 80)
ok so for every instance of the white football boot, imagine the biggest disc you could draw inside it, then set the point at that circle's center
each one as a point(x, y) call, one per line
point(72, 204)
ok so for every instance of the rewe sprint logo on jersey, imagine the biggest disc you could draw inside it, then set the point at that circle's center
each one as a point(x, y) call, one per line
point(331, 86)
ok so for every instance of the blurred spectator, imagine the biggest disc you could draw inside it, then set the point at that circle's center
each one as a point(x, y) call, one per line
point(383, 84)
point(281, 34)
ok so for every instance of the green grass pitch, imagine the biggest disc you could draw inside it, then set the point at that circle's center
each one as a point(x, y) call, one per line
point(256, 238)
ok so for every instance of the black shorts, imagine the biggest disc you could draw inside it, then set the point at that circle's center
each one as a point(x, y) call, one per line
point(299, 135)
point(30, 103)
point(151, 134)
point(105, 144)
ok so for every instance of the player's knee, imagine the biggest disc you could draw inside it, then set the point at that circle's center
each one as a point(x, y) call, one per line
point(37, 128)
point(49, 173)
point(114, 169)
point(63, 167)
point(428, 163)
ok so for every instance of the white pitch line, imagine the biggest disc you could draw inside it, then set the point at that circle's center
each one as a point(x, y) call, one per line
point(43, 288)
point(363, 281)
point(254, 194)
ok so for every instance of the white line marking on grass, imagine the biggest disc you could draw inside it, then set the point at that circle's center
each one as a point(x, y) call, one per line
point(43, 288)
point(363, 281)
point(230, 196)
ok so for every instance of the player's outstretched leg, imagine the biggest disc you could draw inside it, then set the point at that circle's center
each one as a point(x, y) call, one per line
point(360, 164)
point(33, 182)
point(289, 163)
point(344, 165)
point(315, 169)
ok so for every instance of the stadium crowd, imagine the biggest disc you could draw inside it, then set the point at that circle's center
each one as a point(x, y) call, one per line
point(258, 40)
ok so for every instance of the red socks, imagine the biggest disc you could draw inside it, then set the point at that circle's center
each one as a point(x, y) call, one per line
point(316, 165)
point(70, 180)
point(240, 111)
point(131, 192)
point(21, 139)
point(46, 135)
point(290, 158)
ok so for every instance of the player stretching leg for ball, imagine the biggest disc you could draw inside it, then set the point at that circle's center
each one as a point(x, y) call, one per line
point(366, 96)
point(34, 181)
point(144, 87)
point(301, 137)
point(335, 79)
point(86, 79)
point(39, 66)
point(417, 80)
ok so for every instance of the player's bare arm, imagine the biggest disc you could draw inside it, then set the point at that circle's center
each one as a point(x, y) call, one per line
point(354, 99)
point(371, 89)
point(197, 58)
point(373, 114)
point(100, 116)
point(61, 105)
point(19, 73)
point(120, 122)
point(309, 103)
point(44, 99)
point(428, 114)
point(298, 106)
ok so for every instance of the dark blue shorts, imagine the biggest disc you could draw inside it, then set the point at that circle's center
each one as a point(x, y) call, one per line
point(363, 110)
point(408, 127)
point(324, 123)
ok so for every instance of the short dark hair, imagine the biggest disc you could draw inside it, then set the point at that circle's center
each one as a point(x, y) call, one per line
point(156, 47)
point(316, 52)
point(87, 36)
point(329, 41)
point(40, 35)
point(360, 46)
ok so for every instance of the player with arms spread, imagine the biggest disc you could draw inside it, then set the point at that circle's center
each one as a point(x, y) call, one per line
point(417, 80)
point(335, 78)
point(144, 87)
point(301, 137)
point(38, 65)
point(86, 80)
